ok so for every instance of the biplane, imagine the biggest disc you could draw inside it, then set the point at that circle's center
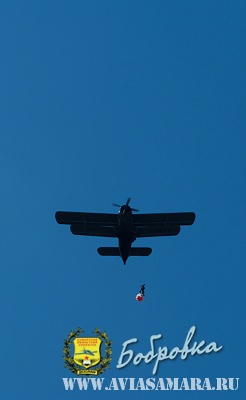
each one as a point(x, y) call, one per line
point(125, 226)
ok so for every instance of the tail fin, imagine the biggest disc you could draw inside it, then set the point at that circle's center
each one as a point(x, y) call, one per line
point(114, 251)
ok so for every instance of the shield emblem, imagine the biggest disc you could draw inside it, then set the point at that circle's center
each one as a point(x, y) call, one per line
point(87, 351)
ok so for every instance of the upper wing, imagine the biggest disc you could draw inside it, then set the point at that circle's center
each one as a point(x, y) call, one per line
point(81, 218)
point(167, 224)
point(163, 219)
point(89, 224)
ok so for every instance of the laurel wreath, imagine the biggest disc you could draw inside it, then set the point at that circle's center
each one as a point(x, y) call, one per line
point(104, 361)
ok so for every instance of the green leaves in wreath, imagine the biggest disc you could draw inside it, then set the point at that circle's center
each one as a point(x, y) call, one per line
point(69, 361)
point(105, 361)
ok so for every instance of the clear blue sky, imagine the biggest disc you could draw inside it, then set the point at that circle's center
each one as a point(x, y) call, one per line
point(101, 101)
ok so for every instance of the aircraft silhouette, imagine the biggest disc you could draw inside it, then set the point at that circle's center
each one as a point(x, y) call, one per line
point(85, 351)
point(125, 226)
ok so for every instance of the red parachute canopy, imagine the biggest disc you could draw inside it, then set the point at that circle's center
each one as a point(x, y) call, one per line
point(139, 297)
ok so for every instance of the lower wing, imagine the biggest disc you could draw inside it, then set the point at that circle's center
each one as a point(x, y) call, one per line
point(148, 231)
point(91, 230)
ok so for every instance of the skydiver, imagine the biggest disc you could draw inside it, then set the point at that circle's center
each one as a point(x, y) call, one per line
point(140, 295)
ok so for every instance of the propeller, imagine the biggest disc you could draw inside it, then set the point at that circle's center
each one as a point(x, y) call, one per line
point(127, 203)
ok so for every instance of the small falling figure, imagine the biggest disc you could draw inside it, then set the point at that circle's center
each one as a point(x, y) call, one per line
point(140, 295)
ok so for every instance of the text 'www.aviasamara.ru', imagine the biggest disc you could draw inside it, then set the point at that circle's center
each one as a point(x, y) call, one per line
point(151, 384)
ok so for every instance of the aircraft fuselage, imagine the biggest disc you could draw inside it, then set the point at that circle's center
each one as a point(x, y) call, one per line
point(125, 232)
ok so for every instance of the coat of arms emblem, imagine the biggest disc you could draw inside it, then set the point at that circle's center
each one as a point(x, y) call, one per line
point(87, 358)
point(87, 351)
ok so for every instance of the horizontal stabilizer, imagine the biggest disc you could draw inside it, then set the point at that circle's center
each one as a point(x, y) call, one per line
point(108, 251)
point(140, 251)
point(114, 251)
